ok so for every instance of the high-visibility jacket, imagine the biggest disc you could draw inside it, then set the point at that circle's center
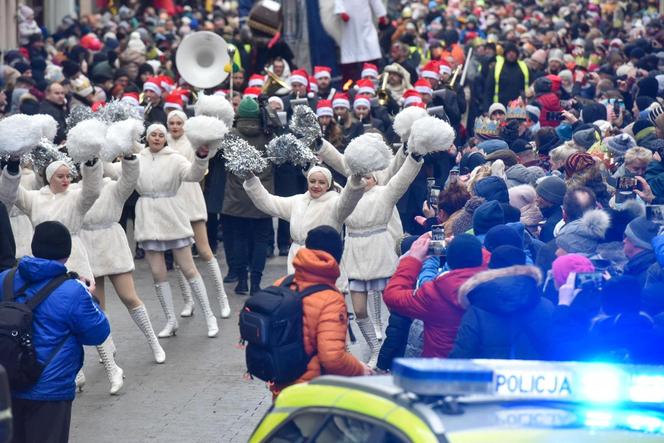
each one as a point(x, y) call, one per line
point(500, 62)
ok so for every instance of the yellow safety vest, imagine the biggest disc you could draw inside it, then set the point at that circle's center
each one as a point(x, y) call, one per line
point(500, 62)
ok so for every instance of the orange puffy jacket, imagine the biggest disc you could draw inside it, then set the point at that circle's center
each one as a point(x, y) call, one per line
point(325, 319)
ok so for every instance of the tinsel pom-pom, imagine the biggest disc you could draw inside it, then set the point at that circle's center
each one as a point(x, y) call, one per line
point(288, 149)
point(79, 114)
point(243, 159)
point(404, 120)
point(430, 134)
point(304, 124)
point(44, 154)
point(215, 106)
point(367, 153)
point(116, 111)
point(19, 134)
point(85, 140)
point(120, 138)
point(47, 125)
point(205, 130)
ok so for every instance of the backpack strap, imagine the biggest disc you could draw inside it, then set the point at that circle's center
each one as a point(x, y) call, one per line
point(44, 292)
point(8, 285)
point(288, 280)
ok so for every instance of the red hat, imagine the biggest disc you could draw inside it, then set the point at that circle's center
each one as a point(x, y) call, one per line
point(418, 105)
point(365, 86)
point(340, 100)
point(91, 42)
point(444, 68)
point(556, 82)
point(431, 70)
point(256, 80)
point(166, 83)
point(252, 92)
point(222, 92)
point(299, 76)
point(96, 106)
point(410, 97)
point(153, 84)
point(173, 101)
point(423, 86)
point(369, 70)
point(324, 108)
point(313, 86)
point(362, 100)
point(131, 98)
point(322, 72)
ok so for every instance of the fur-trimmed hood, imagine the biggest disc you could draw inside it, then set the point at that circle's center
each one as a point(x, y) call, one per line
point(504, 290)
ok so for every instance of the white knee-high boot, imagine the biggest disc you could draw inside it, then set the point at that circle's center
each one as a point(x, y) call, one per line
point(142, 320)
point(114, 373)
point(369, 333)
point(377, 297)
point(188, 308)
point(215, 273)
point(199, 292)
point(166, 301)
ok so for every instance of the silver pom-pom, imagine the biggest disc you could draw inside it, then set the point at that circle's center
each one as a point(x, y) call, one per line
point(79, 114)
point(116, 111)
point(288, 149)
point(242, 159)
point(304, 124)
point(44, 154)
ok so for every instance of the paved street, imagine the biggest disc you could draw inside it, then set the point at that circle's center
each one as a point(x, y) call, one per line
point(199, 393)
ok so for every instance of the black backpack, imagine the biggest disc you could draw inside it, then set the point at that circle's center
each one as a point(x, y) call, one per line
point(271, 326)
point(17, 351)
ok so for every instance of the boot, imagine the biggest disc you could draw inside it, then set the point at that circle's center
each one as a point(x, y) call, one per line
point(255, 284)
point(140, 317)
point(215, 273)
point(231, 277)
point(139, 254)
point(111, 347)
point(367, 330)
point(114, 373)
point(80, 380)
point(198, 289)
point(166, 301)
point(378, 320)
point(188, 309)
point(242, 287)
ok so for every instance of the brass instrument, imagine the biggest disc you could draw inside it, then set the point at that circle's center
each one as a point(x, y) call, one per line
point(455, 75)
point(273, 85)
point(202, 59)
point(383, 94)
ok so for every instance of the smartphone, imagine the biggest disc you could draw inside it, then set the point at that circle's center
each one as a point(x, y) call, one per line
point(589, 280)
point(655, 213)
point(454, 175)
point(627, 184)
point(431, 182)
point(437, 245)
point(434, 194)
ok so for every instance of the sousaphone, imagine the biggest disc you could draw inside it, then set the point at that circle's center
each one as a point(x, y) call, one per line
point(203, 59)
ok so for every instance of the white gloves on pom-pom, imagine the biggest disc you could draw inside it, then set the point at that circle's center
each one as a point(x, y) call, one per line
point(430, 134)
point(215, 106)
point(366, 154)
point(205, 130)
point(86, 139)
point(19, 134)
point(120, 138)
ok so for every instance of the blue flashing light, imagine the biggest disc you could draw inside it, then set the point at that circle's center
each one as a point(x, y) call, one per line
point(431, 376)
point(598, 419)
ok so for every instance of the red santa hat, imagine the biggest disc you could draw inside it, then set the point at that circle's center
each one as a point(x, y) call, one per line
point(153, 84)
point(369, 70)
point(256, 80)
point(410, 97)
point(222, 92)
point(362, 100)
point(431, 70)
point(299, 76)
point(166, 83)
point(313, 86)
point(131, 98)
point(322, 72)
point(275, 99)
point(324, 108)
point(445, 68)
point(423, 86)
point(340, 100)
point(365, 86)
point(173, 101)
point(252, 92)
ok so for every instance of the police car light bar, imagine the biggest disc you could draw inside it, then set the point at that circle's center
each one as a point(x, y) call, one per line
point(598, 383)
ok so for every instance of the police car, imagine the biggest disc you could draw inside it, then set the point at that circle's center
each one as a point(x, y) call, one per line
point(468, 401)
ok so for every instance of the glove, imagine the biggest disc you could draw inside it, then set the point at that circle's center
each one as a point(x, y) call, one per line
point(383, 21)
point(344, 16)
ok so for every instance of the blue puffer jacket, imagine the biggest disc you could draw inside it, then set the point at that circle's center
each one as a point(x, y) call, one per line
point(69, 314)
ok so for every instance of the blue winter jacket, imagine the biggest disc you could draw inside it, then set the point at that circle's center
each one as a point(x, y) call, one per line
point(68, 315)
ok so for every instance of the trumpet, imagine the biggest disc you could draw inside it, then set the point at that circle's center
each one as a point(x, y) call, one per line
point(383, 94)
point(455, 75)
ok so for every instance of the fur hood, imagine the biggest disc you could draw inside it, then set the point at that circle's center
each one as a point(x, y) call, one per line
point(504, 277)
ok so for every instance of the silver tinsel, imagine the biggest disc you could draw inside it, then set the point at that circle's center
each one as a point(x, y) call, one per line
point(44, 154)
point(288, 149)
point(304, 124)
point(79, 114)
point(116, 110)
point(242, 159)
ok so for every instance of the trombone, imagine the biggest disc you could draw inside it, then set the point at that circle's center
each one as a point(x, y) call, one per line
point(382, 93)
point(273, 84)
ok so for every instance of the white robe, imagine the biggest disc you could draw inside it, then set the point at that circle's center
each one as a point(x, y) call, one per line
point(190, 194)
point(359, 38)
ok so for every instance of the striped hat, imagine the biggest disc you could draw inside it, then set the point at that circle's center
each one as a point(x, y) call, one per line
point(411, 97)
point(256, 80)
point(324, 108)
point(365, 86)
point(423, 86)
point(369, 70)
point(340, 100)
point(362, 100)
point(299, 76)
point(153, 84)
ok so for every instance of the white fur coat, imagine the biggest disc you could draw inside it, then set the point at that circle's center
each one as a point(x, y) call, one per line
point(190, 194)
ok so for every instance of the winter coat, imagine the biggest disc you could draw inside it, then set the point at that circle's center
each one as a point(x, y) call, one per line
point(550, 108)
point(190, 194)
point(552, 217)
point(506, 317)
point(215, 184)
point(155, 115)
point(21, 224)
point(69, 317)
point(638, 265)
point(304, 212)
point(69, 208)
point(102, 235)
point(396, 339)
point(511, 84)
point(159, 214)
point(236, 201)
point(369, 251)
point(59, 113)
point(325, 320)
point(655, 177)
point(436, 303)
point(359, 38)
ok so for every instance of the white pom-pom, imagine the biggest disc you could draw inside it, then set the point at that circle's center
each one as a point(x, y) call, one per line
point(47, 125)
point(18, 135)
point(205, 130)
point(85, 140)
point(120, 138)
point(367, 153)
point(404, 121)
point(215, 106)
point(430, 134)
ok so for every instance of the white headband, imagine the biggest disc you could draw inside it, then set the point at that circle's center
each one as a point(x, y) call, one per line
point(326, 172)
point(156, 127)
point(177, 113)
point(50, 169)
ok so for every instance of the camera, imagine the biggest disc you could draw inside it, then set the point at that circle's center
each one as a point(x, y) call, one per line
point(628, 184)
point(589, 280)
point(437, 245)
point(434, 194)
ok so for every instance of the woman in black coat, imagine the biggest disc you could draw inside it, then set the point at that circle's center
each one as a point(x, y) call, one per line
point(7, 245)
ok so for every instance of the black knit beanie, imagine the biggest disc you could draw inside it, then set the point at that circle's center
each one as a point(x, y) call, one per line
point(325, 238)
point(51, 241)
point(464, 251)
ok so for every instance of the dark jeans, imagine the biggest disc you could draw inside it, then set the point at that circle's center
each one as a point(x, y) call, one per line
point(283, 235)
point(41, 421)
point(212, 226)
point(251, 237)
